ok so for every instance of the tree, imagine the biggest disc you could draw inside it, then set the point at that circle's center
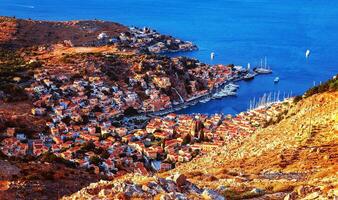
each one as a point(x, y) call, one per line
point(186, 139)
point(95, 160)
point(130, 111)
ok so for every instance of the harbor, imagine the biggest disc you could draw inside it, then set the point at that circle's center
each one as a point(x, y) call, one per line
point(225, 89)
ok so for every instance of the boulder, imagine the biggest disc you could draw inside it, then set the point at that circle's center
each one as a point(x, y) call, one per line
point(133, 191)
point(192, 188)
point(155, 186)
point(171, 186)
point(333, 193)
point(173, 195)
point(222, 188)
point(257, 191)
point(291, 196)
point(313, 195)
point(179, 179)
point(212, 195)
point(167, 184)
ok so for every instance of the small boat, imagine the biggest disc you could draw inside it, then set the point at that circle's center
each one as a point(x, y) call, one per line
point(205, 100)
point(276, 80)
point(212, 55)
point(249, 76)
point(307, 54)
point(261, 69)
point(233, 85)
point(240, 69)
point(232, 94)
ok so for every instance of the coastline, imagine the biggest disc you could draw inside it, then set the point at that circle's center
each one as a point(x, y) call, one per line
point(206, 97)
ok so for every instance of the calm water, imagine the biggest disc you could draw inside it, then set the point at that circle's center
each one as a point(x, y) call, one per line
point(238, 31)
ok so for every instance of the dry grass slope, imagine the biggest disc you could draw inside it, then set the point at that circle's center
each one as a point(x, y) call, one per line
point(301, 150)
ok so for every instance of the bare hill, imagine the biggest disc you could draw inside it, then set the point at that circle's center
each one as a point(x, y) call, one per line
point(17, 33)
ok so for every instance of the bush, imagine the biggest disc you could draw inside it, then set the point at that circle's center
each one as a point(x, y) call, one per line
point(52, 158)
point(130, 111)
point(297, 98)
point(48, 175)
point(329, 86)
point(95, 160)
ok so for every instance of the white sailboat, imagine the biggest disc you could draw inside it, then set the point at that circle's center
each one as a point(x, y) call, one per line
point(212, 55)
point(307, 53)
point(265, 69)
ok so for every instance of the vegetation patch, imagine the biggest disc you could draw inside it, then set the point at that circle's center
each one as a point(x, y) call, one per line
point(15, 75)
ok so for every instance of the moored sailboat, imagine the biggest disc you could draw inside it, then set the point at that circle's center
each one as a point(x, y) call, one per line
point(263, 70)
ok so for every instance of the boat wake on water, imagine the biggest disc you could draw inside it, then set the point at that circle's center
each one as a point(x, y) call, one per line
point(23, 6)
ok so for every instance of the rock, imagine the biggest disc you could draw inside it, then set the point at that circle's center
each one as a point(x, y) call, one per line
point(164, 197)
point(211, 195)
point(177, 196)
point(257, 191)
point(300, 190)
point(223, 188)
point(4, 185)
point(105, 192)
point(173, 195)
point(313, 195)
point(290, 196)
point(133, 190)
point(179, 179)
point(333, 193)
point(149, 191)
point(327, 157)
point(287, 197)
point(192, 188)
point(155, 186)
point(168, 185)
point(171, 186)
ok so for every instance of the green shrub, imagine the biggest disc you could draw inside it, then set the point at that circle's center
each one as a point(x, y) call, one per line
point(328, 86)
point(297, 98)
point(94, 160)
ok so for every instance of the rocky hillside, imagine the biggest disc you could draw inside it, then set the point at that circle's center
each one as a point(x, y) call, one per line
point(17, 33)
point(294, 159)
point(40, 180)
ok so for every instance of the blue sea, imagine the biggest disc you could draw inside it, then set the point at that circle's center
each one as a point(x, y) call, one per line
point(238, 31)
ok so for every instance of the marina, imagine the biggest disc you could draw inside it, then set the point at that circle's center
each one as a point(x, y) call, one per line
point(249, 76)
point(226, 89)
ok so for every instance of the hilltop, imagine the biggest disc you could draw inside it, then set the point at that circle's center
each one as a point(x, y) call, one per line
point(292, 159)
point(18, 33)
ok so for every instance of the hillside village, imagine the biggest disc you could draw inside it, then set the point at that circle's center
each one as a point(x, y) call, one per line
point(148, 40)
point(85, 102)
point(98, 101)
point(165, 141)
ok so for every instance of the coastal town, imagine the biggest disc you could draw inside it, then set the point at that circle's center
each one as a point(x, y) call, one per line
point(113, 113)
point(112, 151)
point(148, 40)
point(88, 101)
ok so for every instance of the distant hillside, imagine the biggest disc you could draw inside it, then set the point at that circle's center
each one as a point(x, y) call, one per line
point(17, 33)
point(293, 159)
